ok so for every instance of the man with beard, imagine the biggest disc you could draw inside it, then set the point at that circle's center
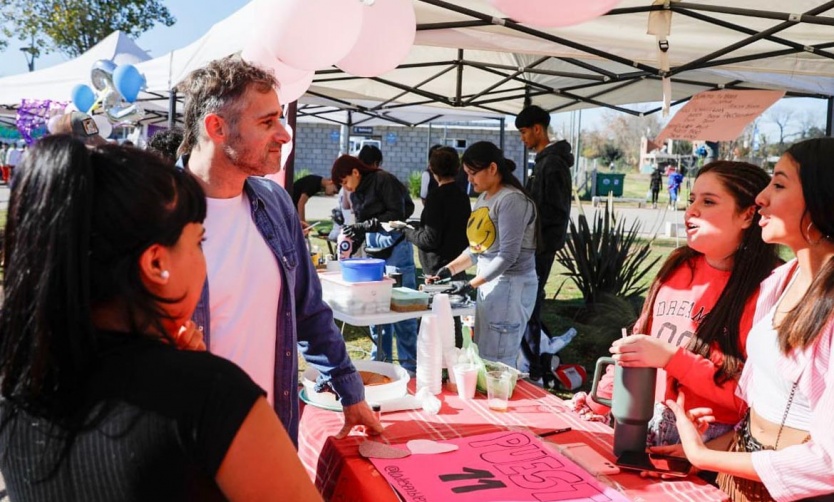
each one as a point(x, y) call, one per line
point(262, 298)
point(550, 187)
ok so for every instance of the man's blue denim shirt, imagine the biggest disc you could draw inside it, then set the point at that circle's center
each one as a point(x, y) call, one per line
point(304, 320)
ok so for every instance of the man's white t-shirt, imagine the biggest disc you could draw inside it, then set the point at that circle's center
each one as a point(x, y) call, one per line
point(244, 290)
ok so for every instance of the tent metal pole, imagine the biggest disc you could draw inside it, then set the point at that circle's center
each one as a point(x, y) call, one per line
point(809, 17)
point(829, 116)
point(459, 82)
point(172, 108)
point(502, 124)
point(289, 169)
point(789, 22)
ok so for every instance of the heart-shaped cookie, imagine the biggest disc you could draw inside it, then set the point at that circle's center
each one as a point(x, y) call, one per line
point(429, 447)
point(373, 449)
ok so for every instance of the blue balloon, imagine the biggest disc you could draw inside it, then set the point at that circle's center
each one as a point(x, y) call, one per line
point(83, 97)
point(128, 82)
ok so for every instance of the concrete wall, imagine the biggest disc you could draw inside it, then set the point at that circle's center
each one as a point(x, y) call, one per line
point(404, 149)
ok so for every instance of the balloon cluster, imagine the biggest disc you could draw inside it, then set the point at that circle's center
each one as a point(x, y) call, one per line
point(116, 90)
point(294, 38)
point(553, 13)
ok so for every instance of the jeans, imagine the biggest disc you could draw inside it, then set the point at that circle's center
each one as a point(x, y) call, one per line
point(531, 359)
point(663, 430)
point(401, 259)
point(501, 313)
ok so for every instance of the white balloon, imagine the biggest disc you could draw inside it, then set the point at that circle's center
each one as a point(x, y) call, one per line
point(287, 93)
point(104, 126)
point(388, 31)
point(258, 55)
point(52, 123)
point(308, 34)
point(553, 13)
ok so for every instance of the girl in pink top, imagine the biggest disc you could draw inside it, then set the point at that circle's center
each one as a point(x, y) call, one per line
point(769, 459)
point(698, 311)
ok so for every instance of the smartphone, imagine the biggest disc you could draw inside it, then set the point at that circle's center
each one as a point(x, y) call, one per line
point(654, 462)
point(586, 457)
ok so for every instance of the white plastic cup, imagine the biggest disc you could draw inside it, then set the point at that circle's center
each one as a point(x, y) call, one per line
point(498, 390)
point(466, 378)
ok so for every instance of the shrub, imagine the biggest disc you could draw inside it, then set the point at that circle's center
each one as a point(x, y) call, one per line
point(605, 258)
point(300, 174)
point(414, 180)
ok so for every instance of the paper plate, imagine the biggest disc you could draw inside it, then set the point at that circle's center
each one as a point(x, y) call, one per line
point(332, 407)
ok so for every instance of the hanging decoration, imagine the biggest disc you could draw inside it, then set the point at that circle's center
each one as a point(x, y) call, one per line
point(387, 35)
point(553, 13)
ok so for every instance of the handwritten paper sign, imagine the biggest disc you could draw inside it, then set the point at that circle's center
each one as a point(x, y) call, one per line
point(718, 115)
point(499, 466)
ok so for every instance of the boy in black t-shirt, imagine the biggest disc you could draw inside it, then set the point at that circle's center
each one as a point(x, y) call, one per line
point(307, 186)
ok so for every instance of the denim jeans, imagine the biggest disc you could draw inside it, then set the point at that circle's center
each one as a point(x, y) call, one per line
point(501, 313)
point(663, 430)
point(401, 259)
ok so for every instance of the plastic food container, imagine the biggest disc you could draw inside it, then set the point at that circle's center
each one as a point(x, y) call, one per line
point(397, 387)
point(363, 269)
point(407, 300)
point(356, 297)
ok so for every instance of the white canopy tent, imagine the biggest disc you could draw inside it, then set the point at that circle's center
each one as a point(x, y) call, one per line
point(467, 57)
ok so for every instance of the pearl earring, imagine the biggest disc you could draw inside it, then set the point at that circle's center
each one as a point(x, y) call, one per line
point(165, 274)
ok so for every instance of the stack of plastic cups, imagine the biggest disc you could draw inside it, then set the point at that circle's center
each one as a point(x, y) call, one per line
point(429, 355)
point(442, 308)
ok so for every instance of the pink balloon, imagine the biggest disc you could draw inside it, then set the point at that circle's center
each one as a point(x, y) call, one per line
point(553, 13)
point(258, 55)
point(388, 31)
point(309, 34)
point(290, 92)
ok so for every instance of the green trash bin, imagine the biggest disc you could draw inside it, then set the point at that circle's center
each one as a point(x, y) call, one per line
point(610, 182)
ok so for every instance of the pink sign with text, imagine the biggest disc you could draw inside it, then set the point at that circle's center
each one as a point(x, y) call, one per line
point(501, 466)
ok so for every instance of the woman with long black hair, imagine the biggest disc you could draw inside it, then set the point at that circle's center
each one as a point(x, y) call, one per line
point(103, 269)
point(502, 243)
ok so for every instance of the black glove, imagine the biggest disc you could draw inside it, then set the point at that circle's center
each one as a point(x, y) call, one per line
point(443, 273)
point(355, 233)
point(337, 216)
point(370, 225)
point(358, 230)
point(460, 288)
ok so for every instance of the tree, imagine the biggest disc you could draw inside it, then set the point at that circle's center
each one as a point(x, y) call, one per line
point(73, 26)
point(627, 130)
point(781, 117)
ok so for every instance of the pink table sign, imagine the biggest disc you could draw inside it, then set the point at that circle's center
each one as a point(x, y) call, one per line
point(499, 466)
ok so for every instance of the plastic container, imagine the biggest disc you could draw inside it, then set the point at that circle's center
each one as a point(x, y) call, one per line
point(408, 300)
point(396, 388)
point(363, 269)
point(356, 297)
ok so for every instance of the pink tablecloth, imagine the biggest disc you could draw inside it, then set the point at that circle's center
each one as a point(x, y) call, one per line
point(340, 473)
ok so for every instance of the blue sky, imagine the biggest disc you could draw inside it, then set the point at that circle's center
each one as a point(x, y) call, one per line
point(193, 22)
point(193, 19)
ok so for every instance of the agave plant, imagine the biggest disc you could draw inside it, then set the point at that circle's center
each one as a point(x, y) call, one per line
point(606, 258)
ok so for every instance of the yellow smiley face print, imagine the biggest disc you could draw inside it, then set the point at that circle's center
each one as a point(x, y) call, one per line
point(480, 230)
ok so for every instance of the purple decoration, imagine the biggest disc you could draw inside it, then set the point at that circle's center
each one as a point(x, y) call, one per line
point(33, 114)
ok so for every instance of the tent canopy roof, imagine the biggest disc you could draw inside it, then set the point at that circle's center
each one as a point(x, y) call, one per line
point(468, 62)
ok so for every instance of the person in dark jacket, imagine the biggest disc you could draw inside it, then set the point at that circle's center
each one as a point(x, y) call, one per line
point(654, 184)
point(376, 197)
point(442, 234)
point(550, 186)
